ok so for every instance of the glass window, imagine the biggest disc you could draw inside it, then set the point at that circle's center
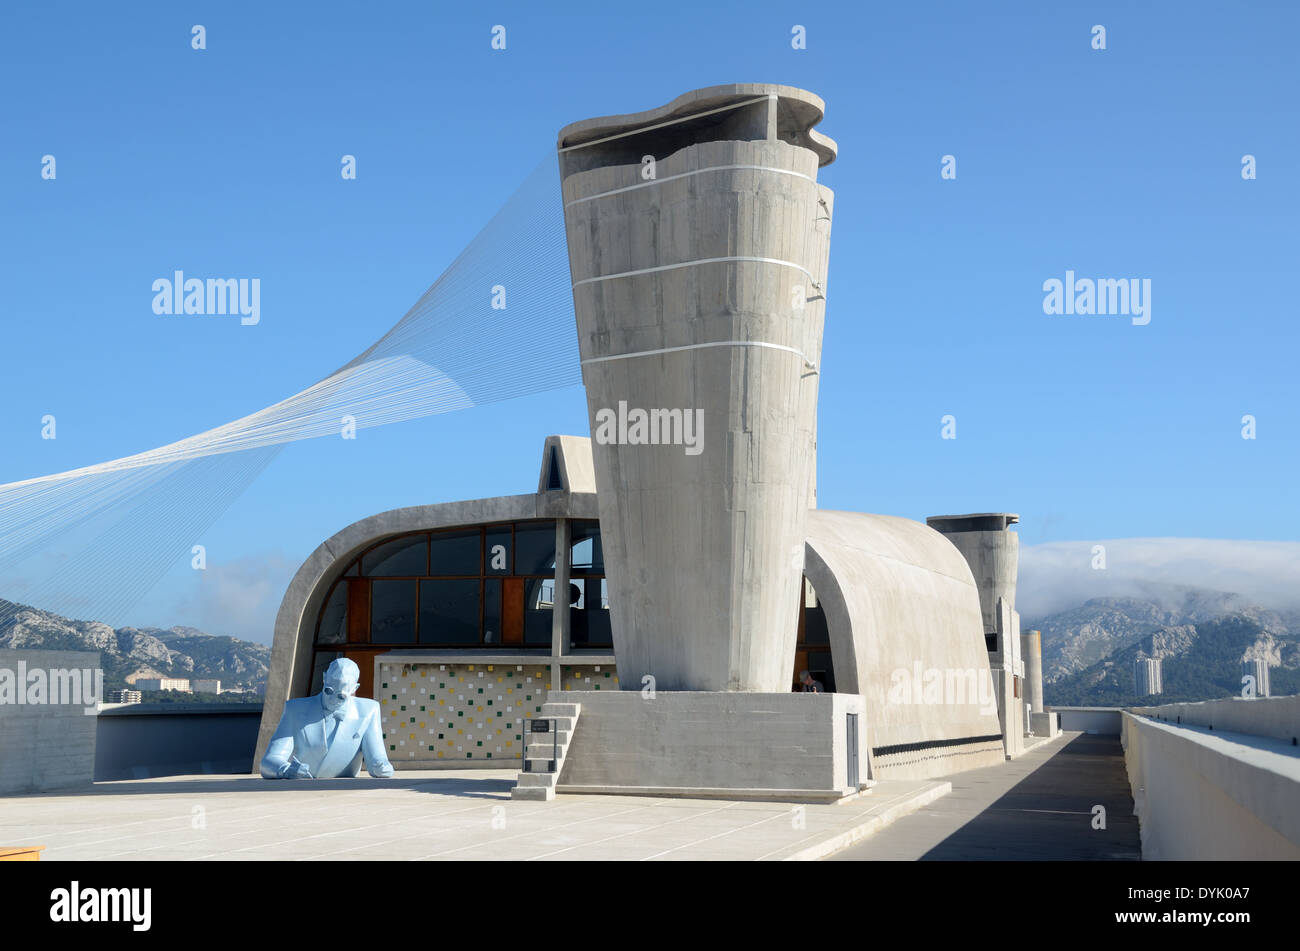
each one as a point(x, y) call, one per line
point(587, 557)
point(535, 548)
point(497, 556)
point(589, 624)
point(320, 664)
point(402, 556)
point(392, 612)
point(492, 611)
point(449, 611)
point(454, 553)
point(334, 616)
point(539, 598)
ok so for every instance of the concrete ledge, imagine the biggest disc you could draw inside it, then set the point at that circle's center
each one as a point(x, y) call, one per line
point(1212, 795)
point(1278, 717)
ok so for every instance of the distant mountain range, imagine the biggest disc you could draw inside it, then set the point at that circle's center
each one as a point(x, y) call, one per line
point(174, 652)
point(1200, 637)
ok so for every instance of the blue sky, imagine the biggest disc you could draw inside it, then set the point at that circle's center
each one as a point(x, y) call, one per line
point(1117, 163)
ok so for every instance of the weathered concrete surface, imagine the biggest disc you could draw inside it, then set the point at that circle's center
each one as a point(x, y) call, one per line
point(1278, 717)
point(1202, 794)
point(781, 746)
point(1038, 807)
point(1045, 724)
point(900, 602)
point(46, 745)
point(720, 259)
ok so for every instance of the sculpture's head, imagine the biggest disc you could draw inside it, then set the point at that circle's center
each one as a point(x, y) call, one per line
point(341, 679)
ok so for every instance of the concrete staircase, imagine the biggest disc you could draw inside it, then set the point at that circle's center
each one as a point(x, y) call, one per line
point(539, 749)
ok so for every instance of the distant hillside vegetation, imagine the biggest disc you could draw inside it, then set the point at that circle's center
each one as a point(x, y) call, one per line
point(175, 652)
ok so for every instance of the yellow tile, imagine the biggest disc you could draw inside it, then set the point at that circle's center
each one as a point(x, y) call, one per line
point(460, 731)
point(489, 667)
point(471, 666)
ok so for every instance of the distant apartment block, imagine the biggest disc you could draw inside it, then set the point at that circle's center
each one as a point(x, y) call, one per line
point(207, 686)
point(1147, 674)
point(180, 684)
point(1258, 669)
point(124, 696)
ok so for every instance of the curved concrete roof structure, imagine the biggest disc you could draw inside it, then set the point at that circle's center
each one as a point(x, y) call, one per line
point(291, 648)
point(901, 602)
point(797, 112)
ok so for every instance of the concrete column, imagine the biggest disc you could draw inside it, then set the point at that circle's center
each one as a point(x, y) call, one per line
point(699, 284)
point(561, 619)
point(1031, 644)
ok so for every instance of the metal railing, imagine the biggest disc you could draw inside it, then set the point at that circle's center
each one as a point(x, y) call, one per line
point(542, 725)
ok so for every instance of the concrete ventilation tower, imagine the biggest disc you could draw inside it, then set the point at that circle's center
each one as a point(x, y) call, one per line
point(698, 239)
point(993, 552)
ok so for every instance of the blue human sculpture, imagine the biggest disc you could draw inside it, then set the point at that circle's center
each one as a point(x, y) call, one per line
point(325, 736)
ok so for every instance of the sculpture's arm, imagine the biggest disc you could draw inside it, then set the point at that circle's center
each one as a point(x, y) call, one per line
point(279, 761)
point(372, 748)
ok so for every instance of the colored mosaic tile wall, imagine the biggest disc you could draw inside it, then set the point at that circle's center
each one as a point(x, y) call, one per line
point(432, 713)
point(584, 677)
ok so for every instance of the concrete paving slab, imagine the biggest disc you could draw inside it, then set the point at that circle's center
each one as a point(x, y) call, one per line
point(434, 815)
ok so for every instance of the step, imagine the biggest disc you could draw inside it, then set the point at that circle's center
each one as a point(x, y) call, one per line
point(538, 763)
point(539, 793)
point(570, 710)
point(544, 739)
point(563, 724)
point(536, 779)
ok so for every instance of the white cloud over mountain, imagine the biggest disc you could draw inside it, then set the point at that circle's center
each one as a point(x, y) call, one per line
point(1059, 575)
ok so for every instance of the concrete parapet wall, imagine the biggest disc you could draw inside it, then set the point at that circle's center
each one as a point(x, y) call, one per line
point(45, 745)
point(1200, 795)
point(1278, 717)
point(749, 743)
point(1103, 720)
